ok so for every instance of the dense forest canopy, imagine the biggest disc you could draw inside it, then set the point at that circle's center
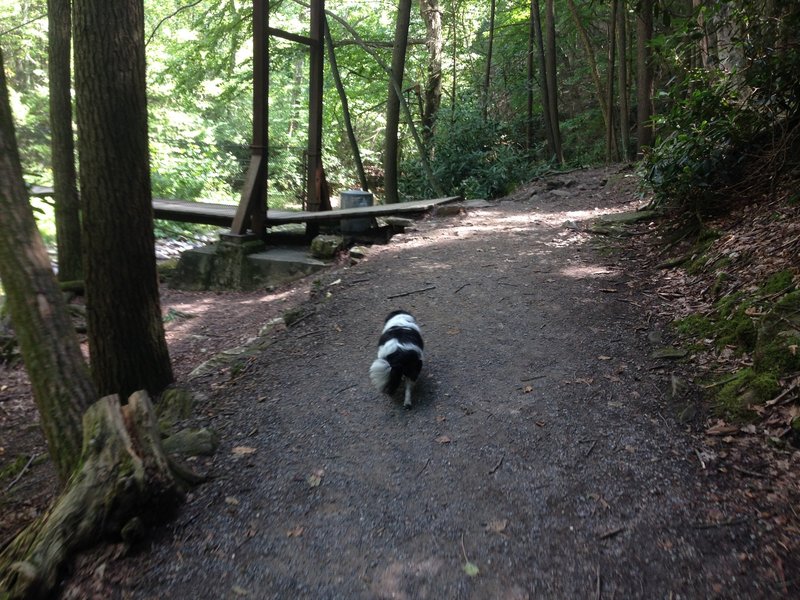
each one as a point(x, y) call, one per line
point(707, 60)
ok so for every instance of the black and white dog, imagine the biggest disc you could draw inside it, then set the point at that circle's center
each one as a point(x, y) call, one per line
point(399, 355)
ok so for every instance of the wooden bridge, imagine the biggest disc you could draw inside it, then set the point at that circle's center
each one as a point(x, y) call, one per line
point(223, 214)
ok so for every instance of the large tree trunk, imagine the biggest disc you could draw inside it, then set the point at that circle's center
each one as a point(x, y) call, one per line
point(432, 16)
point(126, 334)
point(125, 482)
point(59, 377)
point(552, 79)
point(68, 221)
point(644, 75)
point(390, 148)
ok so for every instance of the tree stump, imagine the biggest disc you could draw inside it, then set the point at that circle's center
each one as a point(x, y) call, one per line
point(124, 476)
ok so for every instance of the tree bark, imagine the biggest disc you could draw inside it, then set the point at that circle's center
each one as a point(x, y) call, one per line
point(126, 334)
point(552, 79)
point(622, 81)
point(432, 16)
point(644, 76)
point(390, 148)
point(62, 387)
point(536, 25)
point(611, 142)
point(62, 145)
point(125, 482)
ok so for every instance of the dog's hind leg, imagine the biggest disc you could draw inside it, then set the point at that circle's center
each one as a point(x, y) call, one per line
point(409, 387)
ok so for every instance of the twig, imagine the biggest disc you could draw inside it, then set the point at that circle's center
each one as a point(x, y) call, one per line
point(700, 458)
point(497, 466)
point(589, 451)
point(728, 523)
point(610, 533)
point(598, 587)
point(461, 288)
point(749, 472)
point(425, 466)
point(783, 394)
point(22, 472)
point(533, 378)
point(427, 289)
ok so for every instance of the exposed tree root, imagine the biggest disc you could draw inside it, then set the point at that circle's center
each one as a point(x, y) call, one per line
point(124, 476)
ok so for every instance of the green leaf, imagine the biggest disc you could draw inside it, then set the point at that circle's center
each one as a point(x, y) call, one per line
point(471, 569)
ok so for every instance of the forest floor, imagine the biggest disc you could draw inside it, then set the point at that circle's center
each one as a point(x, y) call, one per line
point(549, 452)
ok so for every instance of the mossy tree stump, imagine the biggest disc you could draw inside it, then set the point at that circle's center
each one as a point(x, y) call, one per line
point(124, 479)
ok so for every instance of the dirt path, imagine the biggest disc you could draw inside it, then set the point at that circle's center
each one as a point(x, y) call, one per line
point(539, 451)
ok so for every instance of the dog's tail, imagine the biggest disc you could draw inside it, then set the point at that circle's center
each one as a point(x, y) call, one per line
point(380, 373)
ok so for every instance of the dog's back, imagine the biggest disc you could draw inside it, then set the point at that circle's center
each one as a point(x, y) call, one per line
point(399, 354)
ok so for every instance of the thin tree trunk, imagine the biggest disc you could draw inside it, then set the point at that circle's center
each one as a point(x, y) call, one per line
point(536, 24)
point(590, 58)
point(62, 145)
point(351, 136)
point(611, 145)
point(622, 80)
point(426, 165)
point(432, 16)
point(644, 76)
point(552, 79)
point(487, 77)
point(390, 148)
point(126, 334)
point(62, 388)
point(454, 37)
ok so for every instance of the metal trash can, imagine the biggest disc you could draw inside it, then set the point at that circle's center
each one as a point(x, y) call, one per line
point(355, 199)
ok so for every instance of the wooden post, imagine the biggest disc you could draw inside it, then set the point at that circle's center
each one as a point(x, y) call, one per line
point(252, 209)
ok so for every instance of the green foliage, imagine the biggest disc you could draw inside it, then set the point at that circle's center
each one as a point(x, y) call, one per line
point(781, 281)
point(723, 116)
point(473, 157)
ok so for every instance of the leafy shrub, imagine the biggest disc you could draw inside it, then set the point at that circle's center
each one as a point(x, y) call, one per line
point(728, 122)
point(471, 156)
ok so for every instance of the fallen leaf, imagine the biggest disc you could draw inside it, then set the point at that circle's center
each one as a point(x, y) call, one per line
point(315, 479)
point(240, 591)
point(443, 439)
point(296, 532)
point(540, 423)
point(603, 357)
point(471, 569)
point(231, 500)
point(243, 450)
point(721, 428)
point(497, 525)
point(527, 389)
point(453, 331)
